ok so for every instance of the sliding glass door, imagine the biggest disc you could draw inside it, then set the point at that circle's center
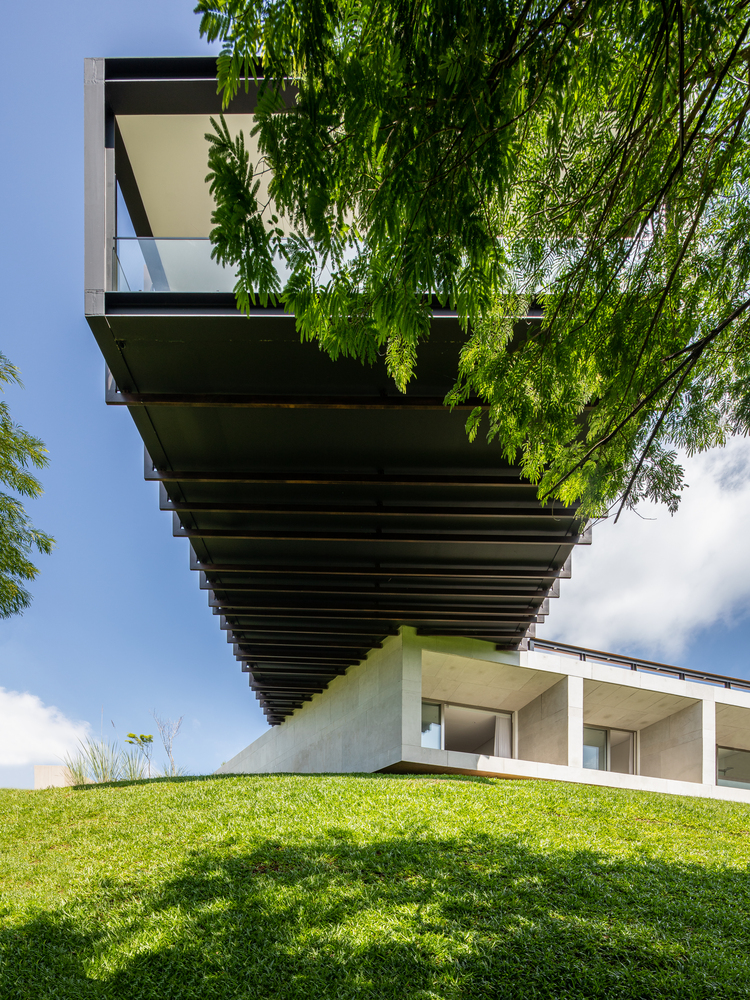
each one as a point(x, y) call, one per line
point(608, 750)
point(468, 730)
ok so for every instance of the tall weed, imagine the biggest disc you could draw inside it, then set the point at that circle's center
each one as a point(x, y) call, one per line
point(133, 766)
point(78, 768)
point(96, 761)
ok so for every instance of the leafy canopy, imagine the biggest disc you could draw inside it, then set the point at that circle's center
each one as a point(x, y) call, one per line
point(588, 156)
point(18, 537)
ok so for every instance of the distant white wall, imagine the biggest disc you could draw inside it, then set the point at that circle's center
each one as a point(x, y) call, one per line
point(51, 776)
point(358, 723)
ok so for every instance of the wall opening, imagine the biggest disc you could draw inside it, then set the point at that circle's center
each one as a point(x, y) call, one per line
point(608, 750)
point(467, 730)
point(432, 729)
point(732, 767)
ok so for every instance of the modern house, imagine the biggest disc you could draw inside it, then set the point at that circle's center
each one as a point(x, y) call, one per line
point(378, 576)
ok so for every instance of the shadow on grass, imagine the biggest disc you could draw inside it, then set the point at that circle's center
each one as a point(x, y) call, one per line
point(409, 917)
point(183, 778)
point(159, 780)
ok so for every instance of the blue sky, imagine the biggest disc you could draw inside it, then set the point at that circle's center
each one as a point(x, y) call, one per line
point(118, 625)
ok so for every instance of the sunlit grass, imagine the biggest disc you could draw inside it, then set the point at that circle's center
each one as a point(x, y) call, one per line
point(371, 886)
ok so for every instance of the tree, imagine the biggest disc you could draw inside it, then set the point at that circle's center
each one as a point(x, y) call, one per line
point(589, 156)
point(18, 537)
point(168, 731)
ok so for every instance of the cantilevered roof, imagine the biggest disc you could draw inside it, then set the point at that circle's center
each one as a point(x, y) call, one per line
point(324, 509)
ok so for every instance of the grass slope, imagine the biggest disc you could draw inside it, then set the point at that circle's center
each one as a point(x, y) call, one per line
point(371, 886)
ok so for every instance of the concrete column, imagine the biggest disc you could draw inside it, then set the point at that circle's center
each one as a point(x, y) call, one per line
point(411, 688)
point(543, 726)
point(575, 721)
point(709, 738)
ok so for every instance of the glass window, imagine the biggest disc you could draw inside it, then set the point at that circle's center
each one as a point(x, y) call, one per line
point(474, 730)
point(595, 748)
point(733, 767)
point(609, 750)
point(431, 728)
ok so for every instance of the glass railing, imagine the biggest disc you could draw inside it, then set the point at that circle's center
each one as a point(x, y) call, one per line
point(169, 265)
point(157, 264)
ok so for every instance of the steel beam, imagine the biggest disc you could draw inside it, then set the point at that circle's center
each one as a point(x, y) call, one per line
point(291, 402)
point(435, 612)
point(401, 571)
point(529, 510)
point(375, 590)
point(340, 478)
point(418, 538)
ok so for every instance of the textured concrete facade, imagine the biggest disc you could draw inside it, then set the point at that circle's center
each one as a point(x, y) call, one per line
point(673, 747)
point(543, 726)
point(370, 719)
point(358, 724)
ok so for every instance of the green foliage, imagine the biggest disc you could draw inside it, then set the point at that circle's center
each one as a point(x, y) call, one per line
point(145, 744)
point(592, 157)
point(18, 537)
point(376, 886)
point(143, 741)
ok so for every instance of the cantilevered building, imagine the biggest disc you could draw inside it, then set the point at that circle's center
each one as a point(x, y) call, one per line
point(378, 576)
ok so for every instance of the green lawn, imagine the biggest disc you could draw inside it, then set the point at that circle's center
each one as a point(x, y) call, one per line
point(371, 886)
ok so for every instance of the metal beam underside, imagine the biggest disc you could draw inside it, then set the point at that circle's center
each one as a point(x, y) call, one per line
point(324, 509)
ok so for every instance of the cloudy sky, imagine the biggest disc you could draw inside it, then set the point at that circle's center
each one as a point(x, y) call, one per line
point(676, 588)
point(118, 627)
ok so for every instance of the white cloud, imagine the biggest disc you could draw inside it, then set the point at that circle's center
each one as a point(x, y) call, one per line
point(647, 586)
point(34, 733)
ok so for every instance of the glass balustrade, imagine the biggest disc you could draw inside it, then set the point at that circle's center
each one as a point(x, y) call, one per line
point(171, 265)
point(156, 264)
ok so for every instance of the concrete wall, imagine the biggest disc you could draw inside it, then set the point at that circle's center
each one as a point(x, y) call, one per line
point(411, 688)
point(543, 726)
point(733, 727)
point(369, 720)
point(357, 724)
point(673, 747)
